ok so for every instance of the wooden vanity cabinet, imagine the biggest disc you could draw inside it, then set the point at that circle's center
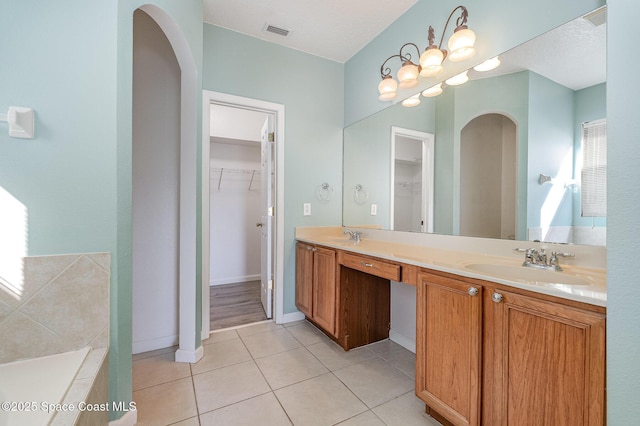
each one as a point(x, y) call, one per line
point(507, 357)
point(549, 362)
point(316, 285)
point(449, 348)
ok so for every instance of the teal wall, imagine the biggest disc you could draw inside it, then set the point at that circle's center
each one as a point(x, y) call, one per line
point(71, 62)
point(368, 155)
point(550, 139)
point(311, 89)
point(623, 221)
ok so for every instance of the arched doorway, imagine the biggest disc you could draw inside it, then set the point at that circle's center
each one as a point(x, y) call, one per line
point(488, 180)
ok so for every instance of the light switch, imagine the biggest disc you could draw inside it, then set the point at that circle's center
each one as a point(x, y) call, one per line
point(374, 209)
point(306, 209)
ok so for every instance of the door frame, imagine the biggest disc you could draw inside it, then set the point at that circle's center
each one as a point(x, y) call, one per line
point(428, 173)
point(278, 110)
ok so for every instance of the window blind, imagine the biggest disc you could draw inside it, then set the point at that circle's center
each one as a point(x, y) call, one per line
point(594, 169)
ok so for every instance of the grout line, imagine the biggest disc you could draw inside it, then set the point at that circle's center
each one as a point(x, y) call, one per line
point(195, 394)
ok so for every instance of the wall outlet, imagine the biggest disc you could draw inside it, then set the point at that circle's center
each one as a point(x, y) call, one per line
point(374, 209)
point(306, 209)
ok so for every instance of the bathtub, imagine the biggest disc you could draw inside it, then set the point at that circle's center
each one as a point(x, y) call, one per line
point(32, 390)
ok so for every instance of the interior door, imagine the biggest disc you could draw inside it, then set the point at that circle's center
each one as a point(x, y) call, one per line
point(266, 224)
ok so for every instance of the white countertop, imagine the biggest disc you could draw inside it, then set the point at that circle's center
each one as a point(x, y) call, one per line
point(579, 283)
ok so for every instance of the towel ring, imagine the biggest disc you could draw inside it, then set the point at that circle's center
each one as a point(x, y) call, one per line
point(324, 192)
point(360, 195)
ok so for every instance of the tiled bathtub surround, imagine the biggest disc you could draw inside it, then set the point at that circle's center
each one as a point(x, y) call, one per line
point(62, 305)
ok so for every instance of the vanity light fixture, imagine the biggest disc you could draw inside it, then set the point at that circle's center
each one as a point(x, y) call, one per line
point(488, 65)
point(407, 74)
point(461, 47)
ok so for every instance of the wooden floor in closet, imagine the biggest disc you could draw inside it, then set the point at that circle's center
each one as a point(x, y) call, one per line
point(235, 304)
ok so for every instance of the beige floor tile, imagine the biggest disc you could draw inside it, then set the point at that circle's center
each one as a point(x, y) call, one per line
point(287, 368)
point(221, 354)
point(374, 381)
point(158, 369)
point(383, 347)
point(323, 400)
point(221, 336)
point(406, 410)
point(294, 323)
point(260, 327)
point(404, 360)
point(166, 403)
point(334, 357)
point(228, 385)
point(264, 410)
point(193, 421)
point(368, 418)
point(307, 334)
point(270, 342)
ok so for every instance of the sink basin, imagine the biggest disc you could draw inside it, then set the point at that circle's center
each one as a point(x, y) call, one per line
point(521, 273)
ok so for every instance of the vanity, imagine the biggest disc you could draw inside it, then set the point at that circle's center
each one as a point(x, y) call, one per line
point(496, 344)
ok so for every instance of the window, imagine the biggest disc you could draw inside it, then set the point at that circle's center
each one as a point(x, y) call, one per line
point(594, 169)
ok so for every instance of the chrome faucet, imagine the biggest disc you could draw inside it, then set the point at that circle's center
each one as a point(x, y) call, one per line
point(353, 235)
point(534, 258)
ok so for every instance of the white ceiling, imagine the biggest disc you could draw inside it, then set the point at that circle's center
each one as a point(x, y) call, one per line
point(332, 29)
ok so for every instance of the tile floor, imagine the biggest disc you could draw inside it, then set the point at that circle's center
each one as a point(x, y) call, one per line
point(270, 374)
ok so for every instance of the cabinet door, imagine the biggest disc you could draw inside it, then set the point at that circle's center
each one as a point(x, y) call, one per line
point(324, 288)
point(553, 363)
point(448, 347)
point(304, 278)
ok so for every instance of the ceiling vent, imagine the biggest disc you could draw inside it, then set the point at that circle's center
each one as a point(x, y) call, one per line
point(276, 30)
point(597, 17)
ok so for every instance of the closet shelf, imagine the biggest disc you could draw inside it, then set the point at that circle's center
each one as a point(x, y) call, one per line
point(223, 170)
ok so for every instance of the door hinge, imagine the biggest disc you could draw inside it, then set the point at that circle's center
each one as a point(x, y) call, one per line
point(270, 284)
point(270, 211)
point(272, 136)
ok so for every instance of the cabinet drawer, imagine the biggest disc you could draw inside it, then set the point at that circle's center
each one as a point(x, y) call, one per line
point(372, 266)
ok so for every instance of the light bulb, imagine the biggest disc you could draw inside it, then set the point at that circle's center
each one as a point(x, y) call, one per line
point(488, 65)
point(431, 61)
point(412, 101)
point(408, 75)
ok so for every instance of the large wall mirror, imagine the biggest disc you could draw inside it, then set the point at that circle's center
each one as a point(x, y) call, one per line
point(508, 146)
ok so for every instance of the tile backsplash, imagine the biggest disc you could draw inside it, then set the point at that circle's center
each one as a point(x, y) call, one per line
point(61, 305)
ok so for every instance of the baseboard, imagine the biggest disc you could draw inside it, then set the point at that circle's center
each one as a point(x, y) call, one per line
point(403, 341)
point(291, 317)
point(153, 344)
point(234, 280)
point(130, 418)
point(190, 356)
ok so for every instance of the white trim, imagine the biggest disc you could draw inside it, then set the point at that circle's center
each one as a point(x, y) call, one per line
point(130, 418)
point(291, 317)
point(428, 172)
point(403, 341)
point(278, 110)
point(188, 176)
point(190, 356)
point(234, 280)
point(153, 344)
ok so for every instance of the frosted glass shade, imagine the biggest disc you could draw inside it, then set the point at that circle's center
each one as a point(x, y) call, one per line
point(461, 44)
point(412, 101)
point(408, 75)
point(459, 79)
point(432, 91)
point(488, 65)
point(431, 61)
point(388, 89)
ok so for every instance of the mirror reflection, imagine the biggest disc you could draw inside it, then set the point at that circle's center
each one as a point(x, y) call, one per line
point(494, 138)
